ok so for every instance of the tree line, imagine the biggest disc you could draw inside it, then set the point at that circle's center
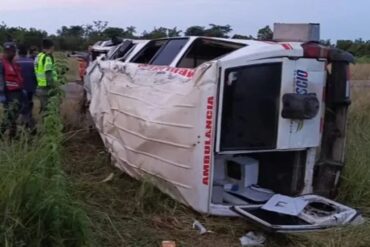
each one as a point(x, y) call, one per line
point(79, 37)
point(358, 47)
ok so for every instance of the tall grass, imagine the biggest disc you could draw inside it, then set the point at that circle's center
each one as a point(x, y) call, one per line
point(355, 187)
point(360, 71)
point(36, 206)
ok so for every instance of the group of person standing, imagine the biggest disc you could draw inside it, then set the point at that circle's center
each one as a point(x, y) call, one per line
point(21, 77)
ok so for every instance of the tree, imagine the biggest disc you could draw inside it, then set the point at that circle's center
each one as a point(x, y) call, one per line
point(94, 32)
point(100, 26)
point(130, 32)
point(113, 32)
point(265, 33)
point(195, 31)
point(218, 31)
point(79, 37)
point(28, 37)
point(344, 44)
point(157, 33)
point(238, 36)
point(173, 32)
point(34, 37)
point(71, 38)
point(213, 31)
point(326, 42)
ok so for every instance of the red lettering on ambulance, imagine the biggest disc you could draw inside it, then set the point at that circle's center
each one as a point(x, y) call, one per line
point(208, 140)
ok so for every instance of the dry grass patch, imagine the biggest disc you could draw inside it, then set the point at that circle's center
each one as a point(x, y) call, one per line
point(360, 72)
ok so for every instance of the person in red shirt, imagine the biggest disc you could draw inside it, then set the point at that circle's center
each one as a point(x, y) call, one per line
point(11, 89)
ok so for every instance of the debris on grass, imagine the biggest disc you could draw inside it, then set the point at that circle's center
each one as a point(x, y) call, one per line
point(109, 178)
point(168, 244)
point(200, 228)
point(253, 239)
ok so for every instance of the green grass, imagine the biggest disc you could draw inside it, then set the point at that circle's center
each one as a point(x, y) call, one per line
point(72, 74)
point(36, 200)
point(355, 188)
point(362, 60)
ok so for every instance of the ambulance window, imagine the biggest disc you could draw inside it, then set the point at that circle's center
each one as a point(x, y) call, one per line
point(149, 51)
point(127, 54)
point(96, 54)
point(250, 107)
point(169, 51)
point(204, 50)
point(121, 51)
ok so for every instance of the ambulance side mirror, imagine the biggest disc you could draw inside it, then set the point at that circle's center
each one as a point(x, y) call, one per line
point(300, 106)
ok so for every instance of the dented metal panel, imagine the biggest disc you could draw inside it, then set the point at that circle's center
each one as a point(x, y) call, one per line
point(151, 119)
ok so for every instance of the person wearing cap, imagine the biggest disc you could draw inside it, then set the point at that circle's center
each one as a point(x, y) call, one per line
point(46, 73)
point(30, 83)
point(11, 89)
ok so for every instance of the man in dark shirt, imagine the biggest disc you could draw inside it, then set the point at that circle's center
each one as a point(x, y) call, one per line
point(30, 83)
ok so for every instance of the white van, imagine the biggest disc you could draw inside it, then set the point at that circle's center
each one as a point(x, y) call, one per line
point(232, 127)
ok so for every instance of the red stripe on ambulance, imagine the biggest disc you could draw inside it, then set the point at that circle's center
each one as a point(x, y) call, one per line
point(189, 73)
point(287, 46)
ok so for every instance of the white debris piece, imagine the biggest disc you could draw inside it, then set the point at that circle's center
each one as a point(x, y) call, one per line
point(285, 205)
point(255, 239)
point(109, 178)
point(200, 228)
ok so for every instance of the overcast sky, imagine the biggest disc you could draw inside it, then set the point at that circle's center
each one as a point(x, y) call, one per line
point(340, 19)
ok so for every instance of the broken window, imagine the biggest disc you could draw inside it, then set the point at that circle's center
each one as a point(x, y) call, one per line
point(204, 50)
point(96, 54)
point(149, 51)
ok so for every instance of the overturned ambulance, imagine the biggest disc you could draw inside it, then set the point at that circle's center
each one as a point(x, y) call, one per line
point(232, 127)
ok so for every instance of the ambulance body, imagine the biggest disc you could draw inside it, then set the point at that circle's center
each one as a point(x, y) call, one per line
point(227, 126)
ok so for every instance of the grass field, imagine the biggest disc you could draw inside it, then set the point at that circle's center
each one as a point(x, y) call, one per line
point(125, 212)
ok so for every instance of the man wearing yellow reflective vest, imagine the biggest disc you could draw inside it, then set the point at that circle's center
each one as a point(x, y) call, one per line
point(45, 73)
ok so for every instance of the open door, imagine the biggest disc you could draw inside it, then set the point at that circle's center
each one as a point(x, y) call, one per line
point(300, 214)
point(275, 106)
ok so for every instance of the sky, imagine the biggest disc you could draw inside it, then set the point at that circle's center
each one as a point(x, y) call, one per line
point(339, 19)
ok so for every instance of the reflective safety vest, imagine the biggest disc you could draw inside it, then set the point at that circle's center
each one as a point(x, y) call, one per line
point(43, 63)
point(12, 75)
